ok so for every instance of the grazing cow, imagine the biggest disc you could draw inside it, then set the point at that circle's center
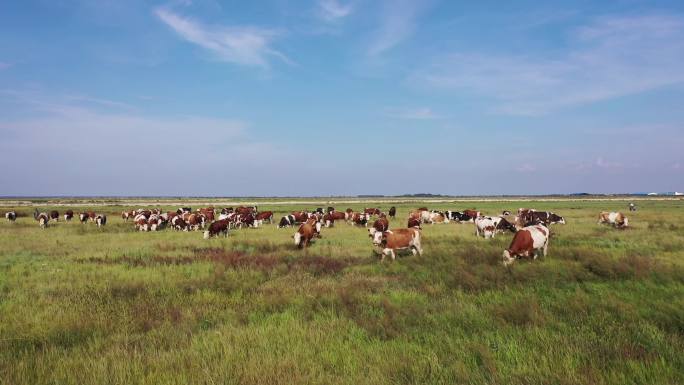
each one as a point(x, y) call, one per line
point(208, 213)
point(141, 223)
point(83, 217)
point(472, 214)
point(504, 225)
point(246, 210)
point(182, 210)
point(316, 226)
point(400, 239)
point(380, 224)
point(393, 212)
point(216, 228)
point(632, 207)
point(265, 216)
point(195, 221)
point(245, 220)
point(485, 226)
point(331, 209)
point(126, 215)
point(42, 218)
point(545, 217)
point(505, 212)
point(91, 215)
point(68, 215)
point(489, 226)
point(413, 222)
point(154, 223)
point(371, 211)
point(329, 219)
point(421, 215)
point(179, 224)
point(54, 215)
point(437, 217)
point(287, 221)
point(304, 235)
point(11, 216)
point(360, 219)
point(101, 220)
point(301, 216)
point(526, 242)
point(338, 215)
point(617, 219)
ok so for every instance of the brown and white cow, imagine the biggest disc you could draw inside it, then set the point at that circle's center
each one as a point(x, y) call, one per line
point(380, 224)
point(371, 211)
point(264, 216)
point(360, 219)
point(399, 239)
point(392, 212)
point(617, 219)
point(526, 242)
point(179, 224)
point(141, 223)
point(68, 215)
point(304, 235)
point(42, 218)
point(329, 219)
point(126, 215)
point(413, 222)
point(217, 228)
point(54, 215)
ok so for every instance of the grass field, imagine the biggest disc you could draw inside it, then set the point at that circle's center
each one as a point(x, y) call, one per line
point(82, 305)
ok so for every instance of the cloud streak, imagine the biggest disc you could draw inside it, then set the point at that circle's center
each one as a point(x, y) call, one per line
point(398, 21)
point(422, 113)
point(248, 46)
point(333, 10)
point(613, 57)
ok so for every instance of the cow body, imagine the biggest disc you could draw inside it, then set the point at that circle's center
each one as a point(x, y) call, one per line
point(68, 215)
point(304, 235)
point(11, 216)
point(399, 239)
point(526, 243)
point(392, 212)
point(42, 218)
point(617, 219)
point(265, 216)
point(100, 220)
point(54, 215)
point(287, 221)
point(217, 228)
point(488, 227)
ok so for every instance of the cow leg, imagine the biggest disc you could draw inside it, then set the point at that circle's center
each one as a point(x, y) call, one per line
point(546, 248)
point(392, 254)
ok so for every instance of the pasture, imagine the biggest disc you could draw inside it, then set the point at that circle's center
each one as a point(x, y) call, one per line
point(87, 305)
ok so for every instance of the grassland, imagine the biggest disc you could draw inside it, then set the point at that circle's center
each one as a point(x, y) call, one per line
point(82, 305)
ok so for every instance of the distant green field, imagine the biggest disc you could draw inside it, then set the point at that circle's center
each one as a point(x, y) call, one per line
point(82, 305)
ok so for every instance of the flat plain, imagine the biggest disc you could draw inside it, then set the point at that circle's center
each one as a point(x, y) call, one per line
point(87, 305)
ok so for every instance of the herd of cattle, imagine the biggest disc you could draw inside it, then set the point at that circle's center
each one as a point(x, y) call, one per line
point(530, 227)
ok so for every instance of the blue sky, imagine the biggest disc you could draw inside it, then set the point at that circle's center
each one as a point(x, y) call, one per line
point(340, 97)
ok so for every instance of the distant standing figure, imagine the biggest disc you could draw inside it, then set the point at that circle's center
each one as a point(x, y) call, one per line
point(632, 207)
point(392, 212)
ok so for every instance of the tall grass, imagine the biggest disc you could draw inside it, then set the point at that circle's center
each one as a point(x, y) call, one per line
point(85, 305)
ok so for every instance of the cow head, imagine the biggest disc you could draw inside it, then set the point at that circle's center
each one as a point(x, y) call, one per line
point(378, 238)
point(206, 234)
point(297, 238)
point(553, 218)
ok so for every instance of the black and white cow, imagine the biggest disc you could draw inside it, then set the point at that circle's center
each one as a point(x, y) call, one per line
point(11, 216)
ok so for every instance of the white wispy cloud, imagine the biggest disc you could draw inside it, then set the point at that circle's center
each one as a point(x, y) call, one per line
point(250, 46)
point(333, 10)
point(613, 57)
point(422, 113)
point(398, 21)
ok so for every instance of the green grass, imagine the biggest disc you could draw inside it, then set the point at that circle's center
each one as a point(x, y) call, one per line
point(80, 304)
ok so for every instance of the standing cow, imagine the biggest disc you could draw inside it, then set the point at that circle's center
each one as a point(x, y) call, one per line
point(399, 239)
point(617, 219)
point(392, 212)
point(304, 235)
point(526, 243)
point(11, 216)
point(68, 215)
point(54, 215)
point(42, 218)
point(217, 228)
